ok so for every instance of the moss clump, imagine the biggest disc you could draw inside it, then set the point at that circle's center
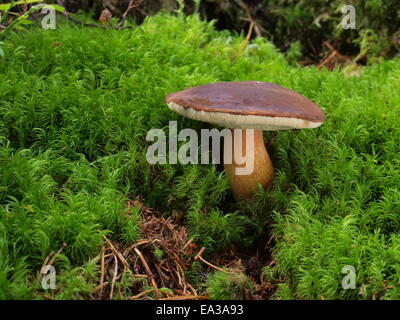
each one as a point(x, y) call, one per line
point(230, 284)
point(311, 23)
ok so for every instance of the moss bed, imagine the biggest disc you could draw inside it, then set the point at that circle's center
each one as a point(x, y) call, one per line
point(75, 107)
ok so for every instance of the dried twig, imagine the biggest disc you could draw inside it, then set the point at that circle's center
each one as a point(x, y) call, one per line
point(120, 293)
point(99, 287)
point(199, 257)
point(187, 244)
point(137, 244)
point(191, 288)
point(139, 276)
point(327, 60)
point(132, 4)
point(114, 276)
point(102, 271)
point(162, 275)
point(142, 294)
point(53, 259)
point(335, 53)
point(120, 256)
point(335, 50)
point(189, 297)
point(148, 271)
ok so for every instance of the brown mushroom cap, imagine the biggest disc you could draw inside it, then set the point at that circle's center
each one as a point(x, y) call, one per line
point(247, 105)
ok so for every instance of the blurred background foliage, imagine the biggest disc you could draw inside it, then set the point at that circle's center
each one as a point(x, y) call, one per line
point(307, 31)
point(297, 27)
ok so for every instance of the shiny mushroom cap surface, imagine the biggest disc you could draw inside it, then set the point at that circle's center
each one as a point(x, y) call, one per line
point(247, 105)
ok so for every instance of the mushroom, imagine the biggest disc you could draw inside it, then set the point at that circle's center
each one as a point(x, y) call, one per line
point(247, 105)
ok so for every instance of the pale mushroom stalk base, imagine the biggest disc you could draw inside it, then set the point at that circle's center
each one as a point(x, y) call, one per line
point(245, 186)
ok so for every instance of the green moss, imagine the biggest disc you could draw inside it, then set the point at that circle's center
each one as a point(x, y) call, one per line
point(230, 284)
point(73, 121)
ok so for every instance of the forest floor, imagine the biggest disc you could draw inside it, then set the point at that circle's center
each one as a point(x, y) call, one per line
point(77, 193)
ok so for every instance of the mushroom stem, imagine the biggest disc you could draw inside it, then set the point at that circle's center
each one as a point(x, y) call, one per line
point(244, 186)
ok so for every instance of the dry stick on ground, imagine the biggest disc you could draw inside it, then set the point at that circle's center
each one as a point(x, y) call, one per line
point(142, 294)
point(327, 60)
point(180, 282)
point(47, 258)
point(187, 244)
point(186, 298)
point(51, 258)
point(185, 284)
point(102, 271)
point(170, 276)
point(120, 256)
point(139, 276)
point(100, 287)
point(193, 289)
point(162, 275)
point(148, 271)
point(198, 256)
point(337, 52)
point(173, 274)
point(137, 244)
point(120, 293)
point(114, 277)
point(132, 4)
point(181, 275)
point(268, 243)
point(332, 55)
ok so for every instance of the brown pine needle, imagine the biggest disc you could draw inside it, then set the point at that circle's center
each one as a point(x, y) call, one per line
point(54, 257)
point(51, 258)
point(140, 295)
point(148, 271)
point(200, 253)
point(102, 271)
point(198, 256)
point(117, 252)
point(100, 287)
point(114, 276)
point(193, 289)
point(187, 244)
point(139, 276)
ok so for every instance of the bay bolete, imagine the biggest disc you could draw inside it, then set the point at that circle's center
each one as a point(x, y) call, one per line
point(247, 105)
